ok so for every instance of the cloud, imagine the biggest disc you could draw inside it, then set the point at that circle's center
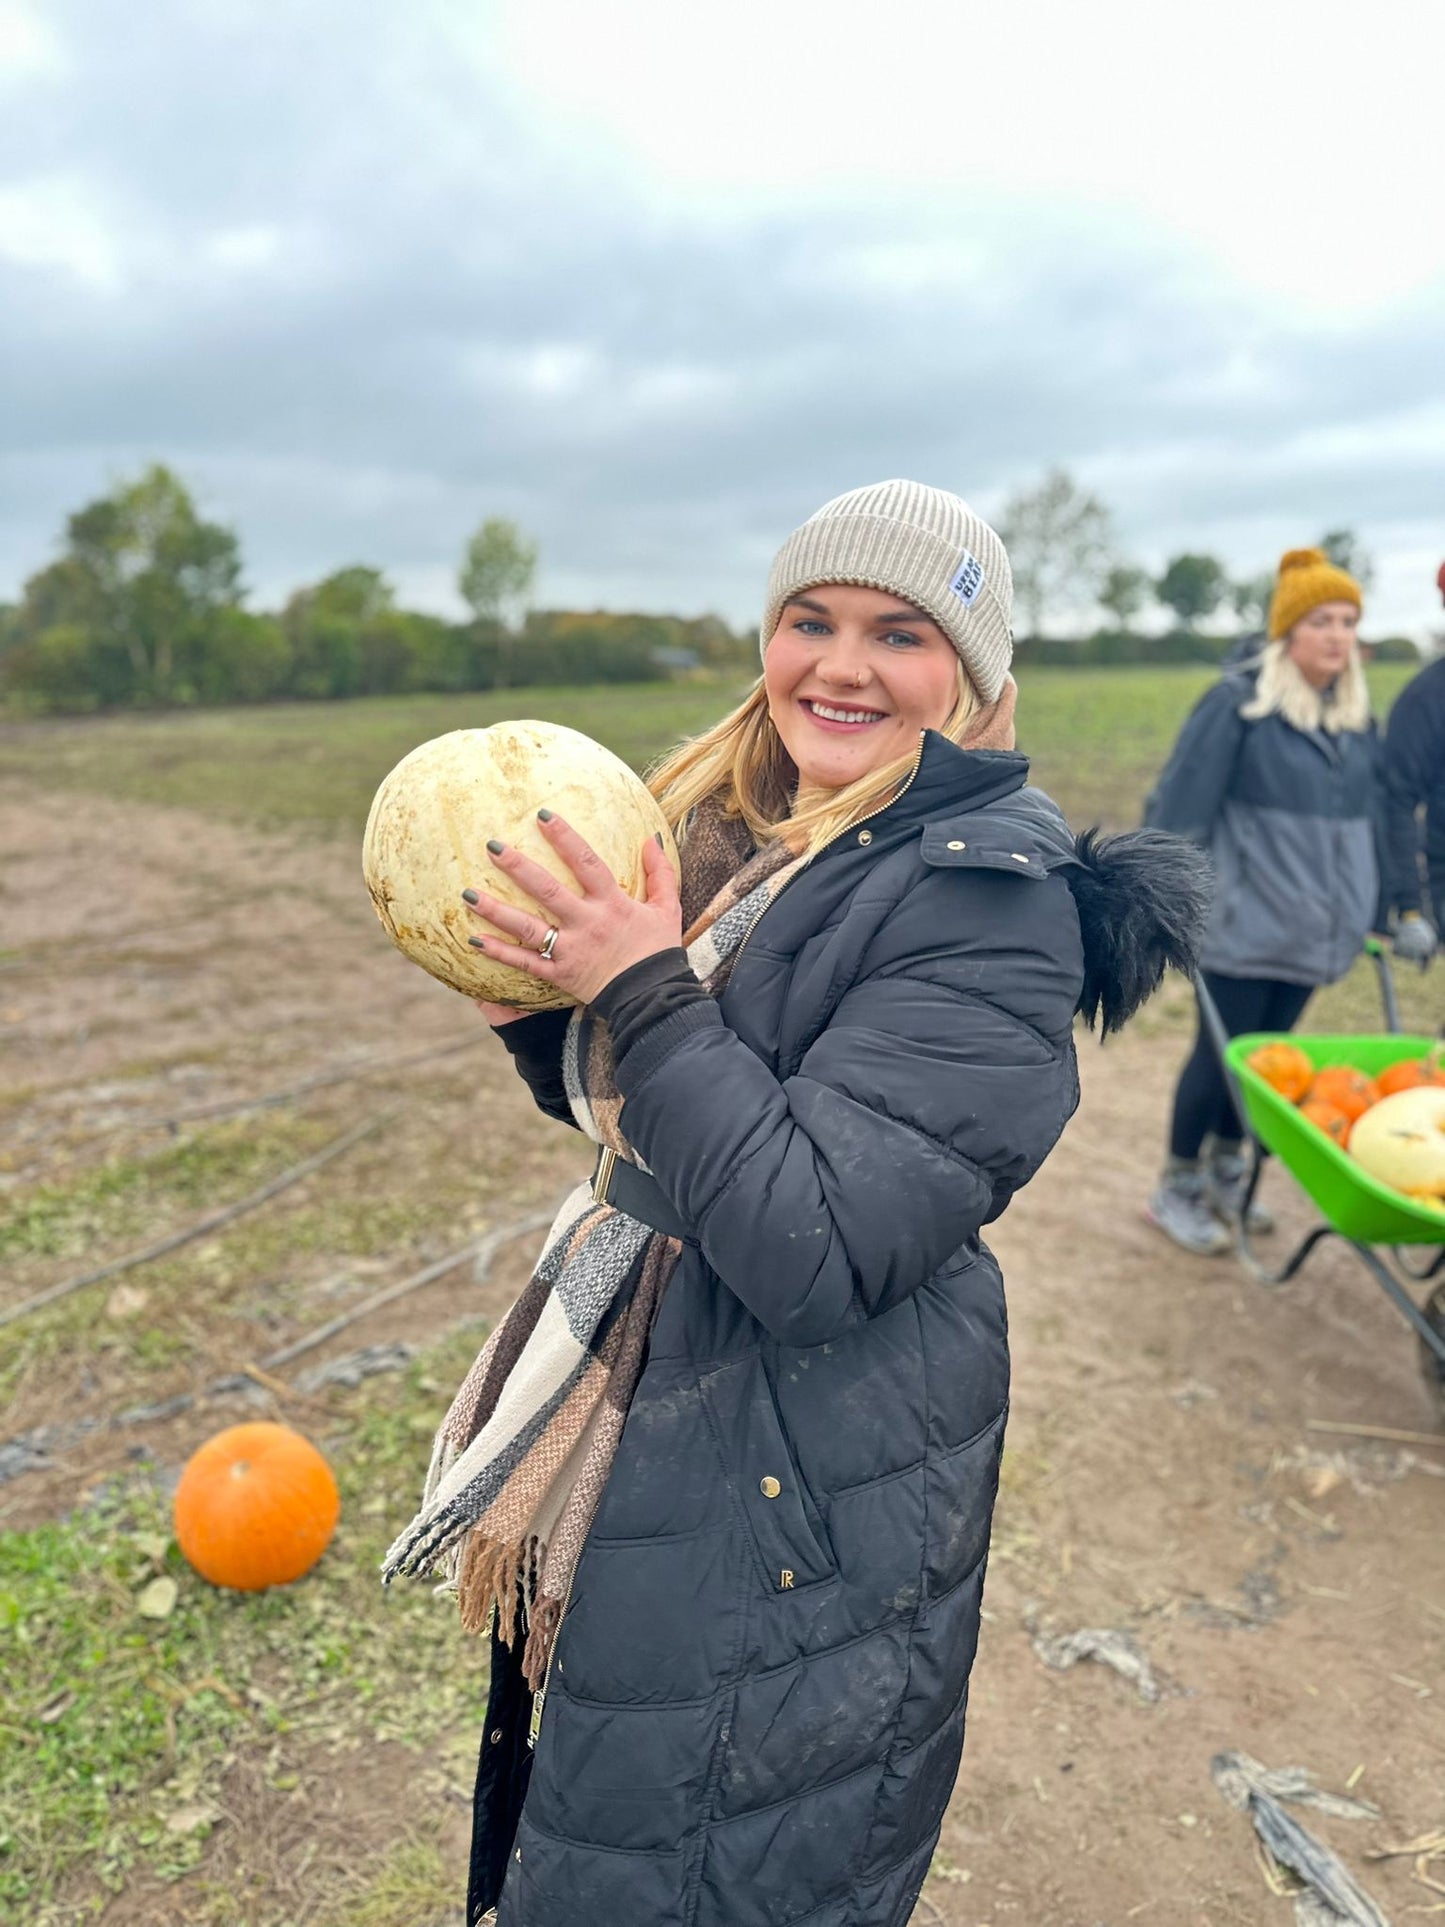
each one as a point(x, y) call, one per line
point(366, 278)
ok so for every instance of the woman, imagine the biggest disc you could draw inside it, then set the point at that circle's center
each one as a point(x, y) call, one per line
point(1275, 774)
point(755, 1704)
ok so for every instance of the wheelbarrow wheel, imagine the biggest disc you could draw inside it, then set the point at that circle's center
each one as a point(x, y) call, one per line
point(1431, 1364)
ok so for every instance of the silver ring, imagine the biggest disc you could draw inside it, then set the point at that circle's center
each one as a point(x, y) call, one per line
point(548, 943)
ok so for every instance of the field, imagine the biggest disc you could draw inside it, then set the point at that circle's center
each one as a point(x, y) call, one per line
point(195, 999)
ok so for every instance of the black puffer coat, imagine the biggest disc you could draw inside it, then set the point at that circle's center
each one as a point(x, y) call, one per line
point(756, 1710)
point(1413, 766)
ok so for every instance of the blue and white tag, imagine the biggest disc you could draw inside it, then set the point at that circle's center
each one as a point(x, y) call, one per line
point(968, 580)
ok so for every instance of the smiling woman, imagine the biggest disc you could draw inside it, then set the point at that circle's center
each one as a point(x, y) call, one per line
point(853, 680)
point(720, 1484)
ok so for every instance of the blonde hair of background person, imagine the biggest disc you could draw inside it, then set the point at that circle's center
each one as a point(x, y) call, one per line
point(1310, 671)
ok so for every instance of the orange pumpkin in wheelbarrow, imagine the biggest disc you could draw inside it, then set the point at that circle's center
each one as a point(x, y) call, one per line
point(1413, 1072)
point(1328, 1118)
point(1344, 1089)
point(1284, 1067)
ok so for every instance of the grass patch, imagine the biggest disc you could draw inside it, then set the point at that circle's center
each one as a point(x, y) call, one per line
point(412, 1886)
point(134, 1197)
point(319, 764)
point(1097, 738)
point(254, 1271)
point(1353, 1004)
point(118, 1730)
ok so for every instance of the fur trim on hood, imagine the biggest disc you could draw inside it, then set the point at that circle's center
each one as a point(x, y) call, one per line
point(1142, 898)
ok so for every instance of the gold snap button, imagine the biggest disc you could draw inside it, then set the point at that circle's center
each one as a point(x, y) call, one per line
point(865, 836)
point(958, 846)
point(769, 1487)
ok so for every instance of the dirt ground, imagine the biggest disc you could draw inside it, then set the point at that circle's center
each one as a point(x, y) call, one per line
point(1170, 1474)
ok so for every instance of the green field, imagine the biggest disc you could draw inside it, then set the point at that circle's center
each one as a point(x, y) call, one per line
point(1096, 737)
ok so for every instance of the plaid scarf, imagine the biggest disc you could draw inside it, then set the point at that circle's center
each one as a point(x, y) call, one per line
point(524, 1452)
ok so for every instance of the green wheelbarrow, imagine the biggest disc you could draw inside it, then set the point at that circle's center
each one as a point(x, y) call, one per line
point(1400, 1243)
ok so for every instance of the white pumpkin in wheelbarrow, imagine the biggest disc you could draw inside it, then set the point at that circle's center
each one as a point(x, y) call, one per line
point(1401, 1141)
point(426, 841)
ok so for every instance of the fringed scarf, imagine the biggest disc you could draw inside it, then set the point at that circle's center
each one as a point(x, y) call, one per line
point(524, 1452)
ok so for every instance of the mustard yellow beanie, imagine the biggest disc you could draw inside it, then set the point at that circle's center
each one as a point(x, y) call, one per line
point(1307, 578)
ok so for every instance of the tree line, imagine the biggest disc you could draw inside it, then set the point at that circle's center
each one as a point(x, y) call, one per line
point(145, 607)
point(1066, 562)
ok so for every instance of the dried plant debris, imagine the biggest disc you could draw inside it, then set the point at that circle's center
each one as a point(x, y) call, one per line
point(351, 1369)
point(1427, 1847)
point(1326, 1893)
point(1120, 1650)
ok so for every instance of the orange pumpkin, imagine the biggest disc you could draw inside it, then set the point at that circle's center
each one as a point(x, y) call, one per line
point(1330, 1118)
point(1347, 1089)
point(1411, 1072)
point(1284, 1067)
point(256, 1507)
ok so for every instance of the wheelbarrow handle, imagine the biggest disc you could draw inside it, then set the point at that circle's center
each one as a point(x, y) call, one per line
point(1390, 1003)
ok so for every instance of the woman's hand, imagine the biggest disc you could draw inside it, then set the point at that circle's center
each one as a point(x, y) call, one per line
point(599, 934)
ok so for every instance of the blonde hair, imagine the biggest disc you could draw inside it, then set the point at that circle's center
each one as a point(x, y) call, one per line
point(1285, 690)
point(743, 761)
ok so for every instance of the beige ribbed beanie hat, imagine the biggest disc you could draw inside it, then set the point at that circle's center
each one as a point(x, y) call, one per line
point(920, 543)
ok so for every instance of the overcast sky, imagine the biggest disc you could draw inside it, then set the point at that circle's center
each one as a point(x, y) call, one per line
point(656, 279)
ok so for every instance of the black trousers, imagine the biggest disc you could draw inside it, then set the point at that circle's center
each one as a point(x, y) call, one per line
point(1202, 1103)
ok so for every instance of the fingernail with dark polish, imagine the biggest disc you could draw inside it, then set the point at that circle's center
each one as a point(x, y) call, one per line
point(494, 846)
point(469, 896)
point(477, 943)
point(544, 816)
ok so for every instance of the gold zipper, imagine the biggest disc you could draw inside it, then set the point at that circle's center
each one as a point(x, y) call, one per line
point(540, 1696)
point(857, 823)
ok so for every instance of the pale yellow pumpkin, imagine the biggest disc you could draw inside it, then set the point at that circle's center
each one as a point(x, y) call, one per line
point(1401, 1141)
point(426, 841)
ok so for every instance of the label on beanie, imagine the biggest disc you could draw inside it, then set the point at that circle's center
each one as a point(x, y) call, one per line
point(968, 580)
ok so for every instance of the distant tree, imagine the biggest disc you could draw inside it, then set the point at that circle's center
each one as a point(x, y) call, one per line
point(498, 568)
point(1250, 598)
point(1348, 552)
point(1192, 586)
point(341, 636)
point(354, 594)
point(1060, 542)
point(1124, 593)
point(138, 593)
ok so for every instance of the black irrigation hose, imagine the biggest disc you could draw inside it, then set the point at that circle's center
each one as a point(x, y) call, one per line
point(209, 1223)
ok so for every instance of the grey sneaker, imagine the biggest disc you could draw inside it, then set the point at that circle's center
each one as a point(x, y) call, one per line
point(1228, 1176)
point(1182, 1208)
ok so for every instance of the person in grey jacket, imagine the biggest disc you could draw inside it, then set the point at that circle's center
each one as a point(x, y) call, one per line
point(1275, 774)
point(720, 1484)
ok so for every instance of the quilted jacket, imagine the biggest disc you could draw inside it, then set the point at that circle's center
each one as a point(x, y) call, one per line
point(756, 1709)
point(1291, 819)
